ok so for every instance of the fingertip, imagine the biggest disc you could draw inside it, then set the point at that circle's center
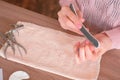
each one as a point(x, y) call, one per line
point(69, 23)
point(59, 13)
point(87, 42)
point(92, 48)
point(82, 20)
point(79, 26)
point(77, 44)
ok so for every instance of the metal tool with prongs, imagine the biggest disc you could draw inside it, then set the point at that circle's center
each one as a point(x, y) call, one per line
point(11, 41)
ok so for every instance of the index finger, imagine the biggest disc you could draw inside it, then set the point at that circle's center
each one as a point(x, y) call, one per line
point(74, 18)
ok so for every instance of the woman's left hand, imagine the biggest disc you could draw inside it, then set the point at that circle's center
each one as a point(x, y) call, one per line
point(86, 51)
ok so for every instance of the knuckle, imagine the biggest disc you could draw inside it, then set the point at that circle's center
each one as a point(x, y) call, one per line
point(64, 27)
point(59, 20)
point(59, 13)
point(64, 8)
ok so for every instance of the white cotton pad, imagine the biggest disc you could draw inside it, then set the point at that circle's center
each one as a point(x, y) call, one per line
point(19, 75)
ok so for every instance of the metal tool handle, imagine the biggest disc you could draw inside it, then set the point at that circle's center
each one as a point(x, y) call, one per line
point(87, 34)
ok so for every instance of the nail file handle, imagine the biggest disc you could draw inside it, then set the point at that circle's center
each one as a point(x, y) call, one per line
point(88, 35)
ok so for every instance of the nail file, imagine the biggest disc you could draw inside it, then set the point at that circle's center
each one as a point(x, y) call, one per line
point(87, 34)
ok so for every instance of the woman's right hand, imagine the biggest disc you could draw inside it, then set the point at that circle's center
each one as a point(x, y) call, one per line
point(69, 21)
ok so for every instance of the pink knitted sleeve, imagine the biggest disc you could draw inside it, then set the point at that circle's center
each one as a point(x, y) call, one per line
point(114, 35)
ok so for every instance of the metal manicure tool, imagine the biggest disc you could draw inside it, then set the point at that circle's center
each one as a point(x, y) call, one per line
point(87, 34)
point(10, 40)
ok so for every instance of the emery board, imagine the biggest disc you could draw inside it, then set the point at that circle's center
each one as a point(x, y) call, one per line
point(87, 34)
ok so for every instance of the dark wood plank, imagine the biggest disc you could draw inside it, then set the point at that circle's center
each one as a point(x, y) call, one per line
point(48, 8)
point(110, 66)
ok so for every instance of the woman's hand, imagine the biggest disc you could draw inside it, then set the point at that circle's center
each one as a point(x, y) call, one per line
point(69, 21)
point(86, 51)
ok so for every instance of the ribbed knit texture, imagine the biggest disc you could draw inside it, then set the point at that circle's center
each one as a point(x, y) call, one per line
point(101, 13)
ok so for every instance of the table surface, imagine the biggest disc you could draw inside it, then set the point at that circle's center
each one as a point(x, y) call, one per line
point(10, 14)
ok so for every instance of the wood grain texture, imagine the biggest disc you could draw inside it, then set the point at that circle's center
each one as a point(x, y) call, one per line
point(110, 65)
point(28, 16)
point(19, 14)
point(52, 50)
point(45, 7)
point(10, 14)
point(9, 67)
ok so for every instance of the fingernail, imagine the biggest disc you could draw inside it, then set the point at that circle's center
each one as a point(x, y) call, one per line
point(79, 26)
point(78, 43)
point(82, 20)
point(87, 42)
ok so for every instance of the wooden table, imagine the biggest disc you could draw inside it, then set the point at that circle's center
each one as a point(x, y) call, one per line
point(10, 14)
point(110, 65)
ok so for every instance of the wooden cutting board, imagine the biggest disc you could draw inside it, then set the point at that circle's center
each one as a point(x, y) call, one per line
point(52, 50)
